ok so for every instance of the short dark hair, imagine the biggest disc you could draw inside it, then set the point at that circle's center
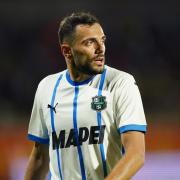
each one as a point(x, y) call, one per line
point(69, 23)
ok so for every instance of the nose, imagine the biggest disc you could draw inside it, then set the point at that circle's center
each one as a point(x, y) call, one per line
point(100, 48)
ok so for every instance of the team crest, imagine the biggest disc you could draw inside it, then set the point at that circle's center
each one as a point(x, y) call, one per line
point(99, 103)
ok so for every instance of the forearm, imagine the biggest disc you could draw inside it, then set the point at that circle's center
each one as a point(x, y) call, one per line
point(127, 167)
point(37, 166)
point(132, 160)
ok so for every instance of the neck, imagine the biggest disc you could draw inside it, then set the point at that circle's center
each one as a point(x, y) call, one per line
point(77, 76)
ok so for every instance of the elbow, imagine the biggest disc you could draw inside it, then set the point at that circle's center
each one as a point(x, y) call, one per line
point(141, 159)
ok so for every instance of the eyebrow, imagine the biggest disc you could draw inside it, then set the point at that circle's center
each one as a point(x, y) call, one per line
point(103, 37)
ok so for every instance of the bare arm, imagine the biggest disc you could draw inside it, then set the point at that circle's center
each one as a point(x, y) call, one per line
point(38, 164)
point(133, 158)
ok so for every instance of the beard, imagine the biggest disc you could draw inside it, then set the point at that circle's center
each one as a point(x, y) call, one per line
point(88, 68)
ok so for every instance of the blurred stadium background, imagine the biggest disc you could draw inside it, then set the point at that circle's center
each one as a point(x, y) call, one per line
point(142, 38)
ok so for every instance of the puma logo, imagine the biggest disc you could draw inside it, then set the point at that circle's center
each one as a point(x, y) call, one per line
point(53, 108)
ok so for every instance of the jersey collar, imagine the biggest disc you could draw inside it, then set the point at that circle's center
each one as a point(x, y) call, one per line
point(75, 83)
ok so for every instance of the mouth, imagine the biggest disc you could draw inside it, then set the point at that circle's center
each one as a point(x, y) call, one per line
point(99, 60)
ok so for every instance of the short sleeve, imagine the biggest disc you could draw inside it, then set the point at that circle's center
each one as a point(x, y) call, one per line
point(129, 108)
point(37, 130)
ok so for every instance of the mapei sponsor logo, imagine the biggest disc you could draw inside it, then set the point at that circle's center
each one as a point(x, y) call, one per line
point(94, 135)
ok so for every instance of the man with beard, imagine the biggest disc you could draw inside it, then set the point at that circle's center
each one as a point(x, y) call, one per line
point(87, 121)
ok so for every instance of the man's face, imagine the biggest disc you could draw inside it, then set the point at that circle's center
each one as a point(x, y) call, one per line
point(88, 49)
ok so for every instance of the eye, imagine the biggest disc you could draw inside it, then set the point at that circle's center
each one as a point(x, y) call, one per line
point(103, 40)
point(89, 42)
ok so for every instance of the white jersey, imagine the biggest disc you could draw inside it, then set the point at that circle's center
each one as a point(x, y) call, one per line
point(82, 122)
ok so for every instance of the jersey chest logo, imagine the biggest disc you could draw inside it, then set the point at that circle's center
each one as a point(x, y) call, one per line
point(53, 108)
point(99, 103)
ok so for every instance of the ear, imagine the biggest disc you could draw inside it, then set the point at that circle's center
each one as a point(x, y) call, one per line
point(66, 50)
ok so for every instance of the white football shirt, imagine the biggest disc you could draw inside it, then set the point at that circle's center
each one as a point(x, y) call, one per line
point(82, 122)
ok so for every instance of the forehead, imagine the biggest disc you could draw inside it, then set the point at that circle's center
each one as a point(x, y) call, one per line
point(88, 31)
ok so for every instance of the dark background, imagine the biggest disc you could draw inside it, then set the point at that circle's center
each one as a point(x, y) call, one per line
point(142, 39)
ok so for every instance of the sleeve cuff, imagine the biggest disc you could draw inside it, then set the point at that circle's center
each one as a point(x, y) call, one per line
point(38, 139)
point(133, 127)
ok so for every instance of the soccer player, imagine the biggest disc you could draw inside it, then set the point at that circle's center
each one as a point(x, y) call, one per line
point(87, 121)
